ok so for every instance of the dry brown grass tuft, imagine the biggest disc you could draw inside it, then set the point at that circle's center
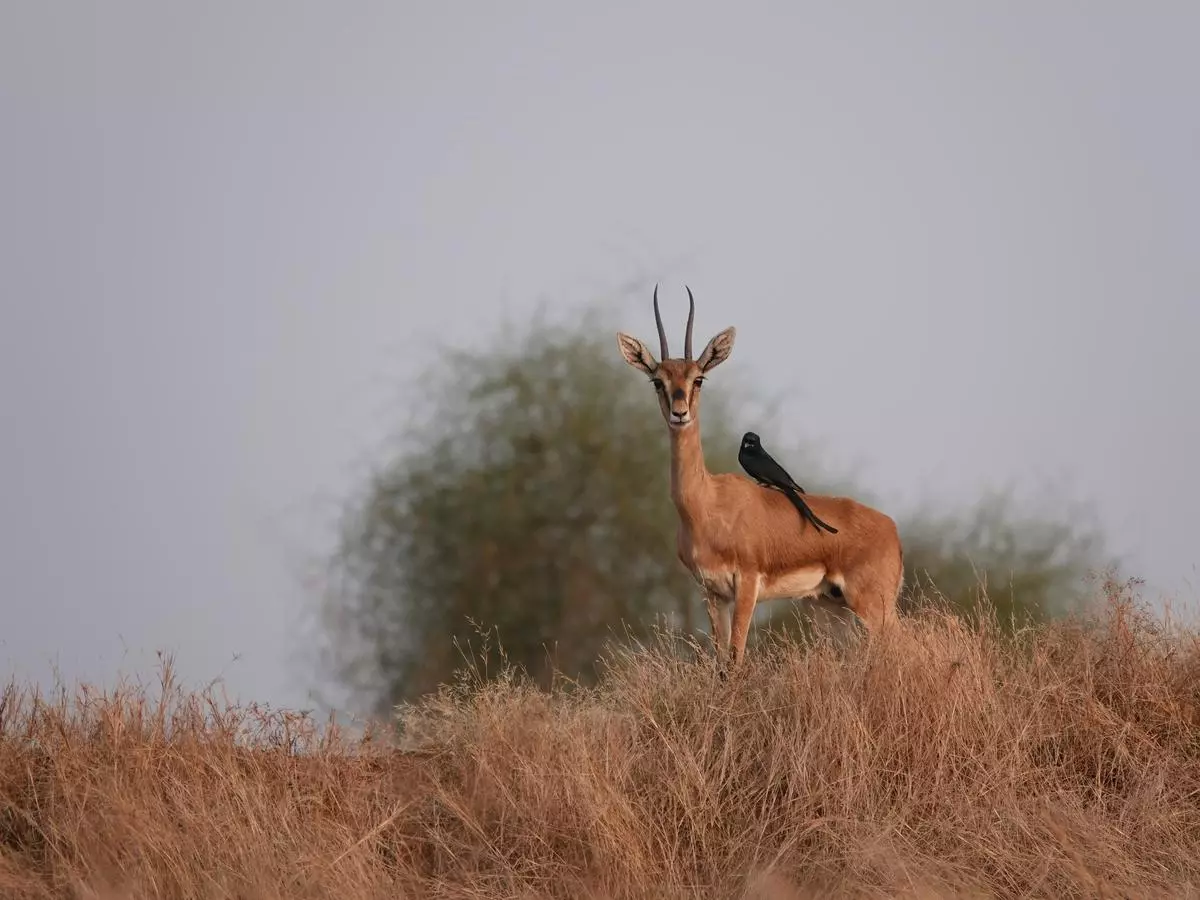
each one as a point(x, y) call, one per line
point(949, 761)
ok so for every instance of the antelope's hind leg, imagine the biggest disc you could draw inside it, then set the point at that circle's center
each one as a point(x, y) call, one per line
point(871, 595)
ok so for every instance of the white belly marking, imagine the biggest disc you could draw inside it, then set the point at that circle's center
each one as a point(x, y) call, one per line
point(806, 582)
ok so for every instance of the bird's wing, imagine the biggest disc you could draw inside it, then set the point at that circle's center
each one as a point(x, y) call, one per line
point(784, 476)
point(778, 472)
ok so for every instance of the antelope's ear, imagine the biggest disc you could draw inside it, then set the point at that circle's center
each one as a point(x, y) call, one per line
point(636, 353)
point(717, 351)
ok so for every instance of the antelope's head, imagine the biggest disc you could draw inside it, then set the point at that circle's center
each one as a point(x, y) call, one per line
point(677, 381)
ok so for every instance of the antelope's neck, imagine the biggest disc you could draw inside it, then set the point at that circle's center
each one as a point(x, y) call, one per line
point(689, 475)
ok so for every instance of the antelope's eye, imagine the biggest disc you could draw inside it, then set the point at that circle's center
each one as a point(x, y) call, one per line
point(698, 382)
point(658, 385)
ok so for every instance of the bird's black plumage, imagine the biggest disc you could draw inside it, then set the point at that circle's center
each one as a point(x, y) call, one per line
point(761, 466)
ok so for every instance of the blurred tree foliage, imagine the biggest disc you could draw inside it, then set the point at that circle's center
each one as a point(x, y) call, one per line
point(1031, 566)
point(531, 501)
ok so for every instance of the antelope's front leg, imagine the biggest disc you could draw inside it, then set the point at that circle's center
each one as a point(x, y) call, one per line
point(719, 615)
point(746, 597)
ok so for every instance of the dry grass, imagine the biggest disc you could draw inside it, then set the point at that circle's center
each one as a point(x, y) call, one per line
point(953, 761)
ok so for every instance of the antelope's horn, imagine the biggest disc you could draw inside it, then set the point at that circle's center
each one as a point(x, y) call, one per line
point(662, 333)
point(687, 338)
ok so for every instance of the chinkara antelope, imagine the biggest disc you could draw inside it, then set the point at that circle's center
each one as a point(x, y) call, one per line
point(743, 542)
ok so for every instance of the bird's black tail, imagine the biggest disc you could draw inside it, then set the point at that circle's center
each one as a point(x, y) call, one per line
point(808, 514)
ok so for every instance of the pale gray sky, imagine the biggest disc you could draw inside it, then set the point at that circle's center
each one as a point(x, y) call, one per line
point(966, 235)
